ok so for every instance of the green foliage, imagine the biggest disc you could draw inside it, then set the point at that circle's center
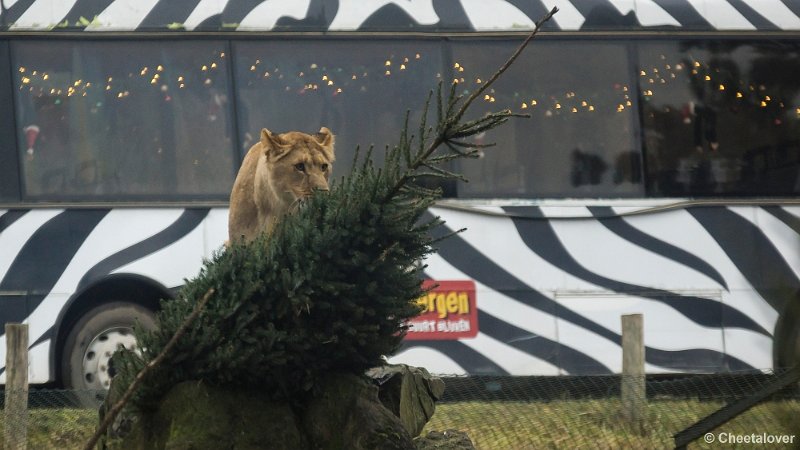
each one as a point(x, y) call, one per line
point(331, 289)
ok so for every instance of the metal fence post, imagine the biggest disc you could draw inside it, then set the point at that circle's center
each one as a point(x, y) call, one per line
point(16, 391)
point(634, 401)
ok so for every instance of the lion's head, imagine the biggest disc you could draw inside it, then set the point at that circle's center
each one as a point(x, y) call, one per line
point(294, 164)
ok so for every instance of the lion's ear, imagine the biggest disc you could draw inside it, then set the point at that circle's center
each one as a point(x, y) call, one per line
point(326, 139)
point(272, 144)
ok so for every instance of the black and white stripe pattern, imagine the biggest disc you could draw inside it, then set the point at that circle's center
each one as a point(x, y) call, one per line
point(48, 255)
point(397, 15)
point(553, 281)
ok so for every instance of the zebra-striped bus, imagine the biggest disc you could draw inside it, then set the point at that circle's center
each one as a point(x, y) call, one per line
point(658, 172)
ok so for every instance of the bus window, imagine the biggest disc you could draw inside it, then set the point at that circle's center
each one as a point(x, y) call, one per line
point(580, 139)
point(361, 89)
point(9, 183)
point(100, 120)
point(721, 117)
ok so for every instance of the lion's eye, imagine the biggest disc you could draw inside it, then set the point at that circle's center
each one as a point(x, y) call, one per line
point(300, 166)
point(324, 167)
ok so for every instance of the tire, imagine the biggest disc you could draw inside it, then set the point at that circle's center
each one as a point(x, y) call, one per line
point(94, 338)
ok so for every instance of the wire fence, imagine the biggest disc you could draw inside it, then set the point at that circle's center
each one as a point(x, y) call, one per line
point(523, 413)
point(587, 412)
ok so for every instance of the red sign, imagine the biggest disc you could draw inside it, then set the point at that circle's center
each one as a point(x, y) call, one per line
point(449, 312)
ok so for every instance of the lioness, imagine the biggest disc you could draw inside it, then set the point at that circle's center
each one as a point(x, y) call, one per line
point(277, 172)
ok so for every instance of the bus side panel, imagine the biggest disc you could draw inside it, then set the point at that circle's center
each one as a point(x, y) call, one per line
point(553, 287)
point(57, 254)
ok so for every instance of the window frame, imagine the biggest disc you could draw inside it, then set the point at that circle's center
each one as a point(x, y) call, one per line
point(10, 163)
point(134, 200)
point(9, 156)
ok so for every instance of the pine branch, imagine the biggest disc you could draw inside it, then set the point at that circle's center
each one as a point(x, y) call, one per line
point(448, 125)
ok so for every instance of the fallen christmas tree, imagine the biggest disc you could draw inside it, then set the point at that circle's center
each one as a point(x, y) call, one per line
point(329, 291)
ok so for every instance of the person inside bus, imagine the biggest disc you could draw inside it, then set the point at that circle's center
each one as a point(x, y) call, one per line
point(705, 126)
point(44, 143)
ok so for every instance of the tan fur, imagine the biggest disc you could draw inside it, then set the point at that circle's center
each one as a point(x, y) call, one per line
point(272, 180)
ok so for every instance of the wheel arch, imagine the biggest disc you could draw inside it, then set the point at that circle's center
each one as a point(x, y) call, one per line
point(130, 288)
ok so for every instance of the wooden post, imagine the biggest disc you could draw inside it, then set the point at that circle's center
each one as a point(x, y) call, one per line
point(16, 398)
point(634, 401)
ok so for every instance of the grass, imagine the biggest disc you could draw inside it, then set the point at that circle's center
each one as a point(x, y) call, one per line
point(597, 424)
point(58, 428)
point(568, 424)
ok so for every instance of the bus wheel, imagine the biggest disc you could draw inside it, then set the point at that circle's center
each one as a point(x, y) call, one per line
point(86, 355)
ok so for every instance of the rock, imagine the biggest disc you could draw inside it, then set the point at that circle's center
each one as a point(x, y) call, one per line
point(409, 392)
point(444, 440)
point(348, 414)
point(194, 415)
point(385, 410)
